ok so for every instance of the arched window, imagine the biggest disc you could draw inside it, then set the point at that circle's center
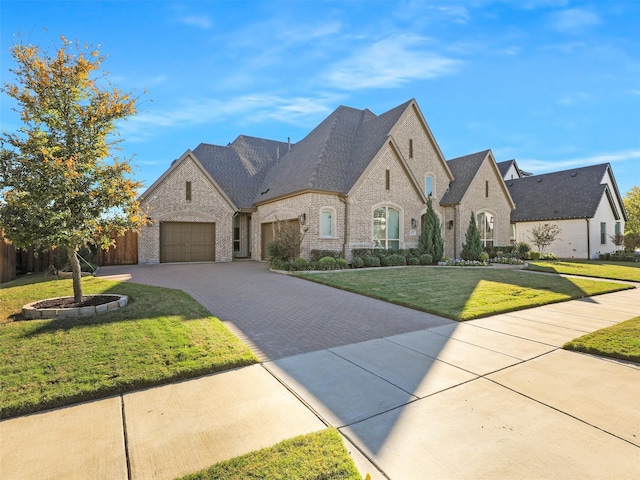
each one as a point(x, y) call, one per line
point(327, 222)
point(486, 227)
point(386, 228)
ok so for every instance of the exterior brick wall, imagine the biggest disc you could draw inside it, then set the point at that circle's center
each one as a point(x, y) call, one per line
point(309, 204)
point(476, 201)
point(167, 203)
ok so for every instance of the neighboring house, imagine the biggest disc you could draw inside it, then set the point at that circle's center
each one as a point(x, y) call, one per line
point(584, 202)
point(358, 180)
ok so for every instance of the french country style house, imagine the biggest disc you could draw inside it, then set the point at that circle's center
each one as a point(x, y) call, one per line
point(358, 180)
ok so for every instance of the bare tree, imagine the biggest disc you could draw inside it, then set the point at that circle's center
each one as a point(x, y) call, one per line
point(544, 235)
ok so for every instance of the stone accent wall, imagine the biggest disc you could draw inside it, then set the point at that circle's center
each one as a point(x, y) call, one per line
point(293, 207)
point(167, 203)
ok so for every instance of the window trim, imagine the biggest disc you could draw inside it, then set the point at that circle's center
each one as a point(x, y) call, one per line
point(332, 212)
point(433, 185)
point(483, 232)
point(386, 240)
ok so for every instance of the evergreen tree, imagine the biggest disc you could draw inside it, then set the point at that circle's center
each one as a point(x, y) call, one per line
point(430, 240)
point(472, 247)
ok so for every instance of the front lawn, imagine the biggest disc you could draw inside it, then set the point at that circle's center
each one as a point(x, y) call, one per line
point(161, 336)
point(316, 456)
point(462, 293)
point(629, 271)
point(618, 341)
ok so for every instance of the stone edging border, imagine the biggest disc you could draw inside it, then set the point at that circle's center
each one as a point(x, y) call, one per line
point(31, 313)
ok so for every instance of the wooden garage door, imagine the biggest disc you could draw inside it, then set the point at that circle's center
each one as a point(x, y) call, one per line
point(187, 242)
point(270, 232)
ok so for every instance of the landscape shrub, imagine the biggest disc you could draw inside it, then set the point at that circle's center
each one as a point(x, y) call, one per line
point(327, 263)
point(300, 264)
point(341, 263)
point(535, 255)
point(394, 260)
point(371, 261)
point(483, 257)
point(548, 256)
point(523, 249)
point(315, 254)
point(426, 259)
point(357, 262)
point(413, 261)
point(279, 264)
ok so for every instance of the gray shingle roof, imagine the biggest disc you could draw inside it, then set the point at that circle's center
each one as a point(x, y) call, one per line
point(505, 166)
point(463, 170)
point(333, 155)
point(574, 193)
point(240, 167)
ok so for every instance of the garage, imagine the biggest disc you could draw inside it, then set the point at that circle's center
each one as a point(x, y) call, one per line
point(187, 242)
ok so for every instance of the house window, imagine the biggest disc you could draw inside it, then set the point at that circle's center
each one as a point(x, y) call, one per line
point(411, 148)
point(188, 191)
point(388, 180)
point(236, 234)
point(386, 228)
point(485, 227)
point(512, 237)
point(617, 231)
point(486, 188)
point(428, 186)
point(327, 222)
point(603, 233)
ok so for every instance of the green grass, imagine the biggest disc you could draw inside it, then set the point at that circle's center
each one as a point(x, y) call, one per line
point(463, 293)
point(629, 271)
point(618, 341)
point(161, 336)
point(316, 456)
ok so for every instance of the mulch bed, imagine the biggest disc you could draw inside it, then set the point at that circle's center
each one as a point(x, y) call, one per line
point(67, 302)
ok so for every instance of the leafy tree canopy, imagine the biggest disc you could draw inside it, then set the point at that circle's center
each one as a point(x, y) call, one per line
point(60, 184)
point(632, 205)
point(544, 235)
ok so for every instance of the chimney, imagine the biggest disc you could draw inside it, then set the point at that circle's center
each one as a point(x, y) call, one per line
point(289, 142)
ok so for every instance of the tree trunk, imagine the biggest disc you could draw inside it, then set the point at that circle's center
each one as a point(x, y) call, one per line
point(72, 255)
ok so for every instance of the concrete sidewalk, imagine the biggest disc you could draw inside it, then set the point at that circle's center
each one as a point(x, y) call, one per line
point(490, 398)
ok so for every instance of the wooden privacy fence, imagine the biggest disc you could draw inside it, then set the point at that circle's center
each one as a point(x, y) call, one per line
point(14, 262)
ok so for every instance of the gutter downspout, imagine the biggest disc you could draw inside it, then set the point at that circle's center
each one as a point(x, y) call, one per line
point(344, 199)
point(588, 241)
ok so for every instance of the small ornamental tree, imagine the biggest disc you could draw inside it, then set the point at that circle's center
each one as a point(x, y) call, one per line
point(631, 202)
point(60, 186)
point(472, 247)
point(544, 235)
point(430, 241)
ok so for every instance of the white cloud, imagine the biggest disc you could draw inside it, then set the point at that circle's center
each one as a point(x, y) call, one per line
point(390, 62)
point(199, 21)
point(542, 166)
point(253, 108)
point(574, 98)
point(574, 20)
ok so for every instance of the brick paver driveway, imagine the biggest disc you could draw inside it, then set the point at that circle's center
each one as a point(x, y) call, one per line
point(278, 315)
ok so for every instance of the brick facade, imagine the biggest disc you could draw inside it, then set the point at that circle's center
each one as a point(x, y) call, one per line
point(167, 203)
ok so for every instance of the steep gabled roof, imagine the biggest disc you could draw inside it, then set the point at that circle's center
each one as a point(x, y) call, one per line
point(507, 164)
point(464, 170)
point(240, 167)
point(569, 194)
point(333, 155)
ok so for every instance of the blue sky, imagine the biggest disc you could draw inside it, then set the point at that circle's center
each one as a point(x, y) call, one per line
point(554, 84)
